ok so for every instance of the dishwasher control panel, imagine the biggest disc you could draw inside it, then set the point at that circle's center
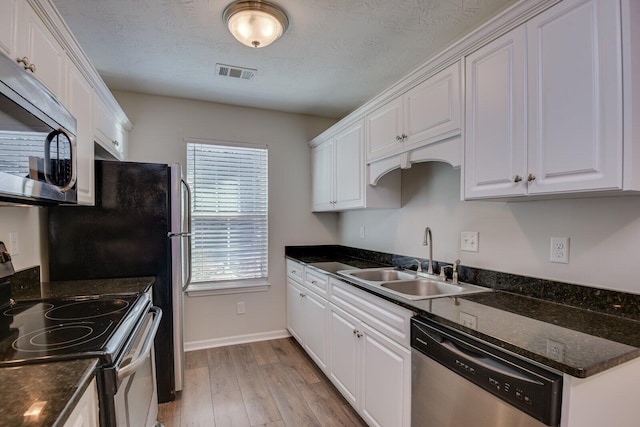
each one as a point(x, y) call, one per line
point(528, 387)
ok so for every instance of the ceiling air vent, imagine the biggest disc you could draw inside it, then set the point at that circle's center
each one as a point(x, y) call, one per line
point(235, 72)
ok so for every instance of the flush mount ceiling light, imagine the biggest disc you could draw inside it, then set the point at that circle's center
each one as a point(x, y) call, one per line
point(255, 23)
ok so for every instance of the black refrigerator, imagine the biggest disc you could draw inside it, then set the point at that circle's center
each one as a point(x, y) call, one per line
point(139, 226)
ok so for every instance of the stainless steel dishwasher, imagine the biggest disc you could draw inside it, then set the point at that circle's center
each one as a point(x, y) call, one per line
point(459, 381)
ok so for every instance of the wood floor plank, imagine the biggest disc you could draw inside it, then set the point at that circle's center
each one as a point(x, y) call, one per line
point(292, 406)
point(274, 424)
point(327, 405)
point(302, 371)
point(229, 410)
point(260, 405)
point(196, 404)
point(263, 353)
point(169, 413)
point(222, 374)
point(195, 359)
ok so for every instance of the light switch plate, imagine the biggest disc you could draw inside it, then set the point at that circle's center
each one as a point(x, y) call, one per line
point(469, 241)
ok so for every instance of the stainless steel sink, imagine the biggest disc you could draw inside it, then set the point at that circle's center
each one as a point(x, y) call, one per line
point(410, 285)
point(423, 288)
point(382, 275)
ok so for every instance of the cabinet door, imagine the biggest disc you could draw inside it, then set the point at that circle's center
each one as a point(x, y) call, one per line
point(495, 126)
point(384, 126)
point(322, 176)
point(575, 97)
point(85, 413)
point(432, 110)
point(80, 105)
point(295, 311)
point(316, 328)
point(108, 132)
point(39, 45)
point(344, 363)
point(385, 399)
point(349, 168)
point(8, 22)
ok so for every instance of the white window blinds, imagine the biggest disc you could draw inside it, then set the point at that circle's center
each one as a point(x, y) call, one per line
point(229, 212)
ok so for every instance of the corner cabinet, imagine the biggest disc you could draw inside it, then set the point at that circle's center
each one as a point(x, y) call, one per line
point(544, 105)
point(339, 174)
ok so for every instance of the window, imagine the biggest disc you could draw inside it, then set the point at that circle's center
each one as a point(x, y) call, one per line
point(229, 185)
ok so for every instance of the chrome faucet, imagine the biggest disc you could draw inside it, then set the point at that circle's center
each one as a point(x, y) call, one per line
point(428, 241)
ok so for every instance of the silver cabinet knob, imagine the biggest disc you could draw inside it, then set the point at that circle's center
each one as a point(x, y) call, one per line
point(355, 331)
point(359, 335)
point(531, 177)
point(115, 142)
point(517, 178)
point(26, 64)
point(404, 137)
point(398, 138)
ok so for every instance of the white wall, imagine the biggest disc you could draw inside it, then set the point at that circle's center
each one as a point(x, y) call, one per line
point(514, 236)
point(25, 221)
point(160, 126)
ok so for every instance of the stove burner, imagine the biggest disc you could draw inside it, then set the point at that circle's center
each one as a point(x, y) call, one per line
point(89, 309)
point(57, 337)
point(22, 309)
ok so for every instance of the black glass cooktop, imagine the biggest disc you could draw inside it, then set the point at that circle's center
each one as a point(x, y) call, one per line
point(59, 329)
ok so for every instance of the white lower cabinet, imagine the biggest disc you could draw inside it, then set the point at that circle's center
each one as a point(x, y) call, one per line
point(360, 341)
point(85, 413)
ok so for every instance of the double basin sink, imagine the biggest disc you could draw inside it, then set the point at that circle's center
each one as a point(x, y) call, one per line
point(409, 284)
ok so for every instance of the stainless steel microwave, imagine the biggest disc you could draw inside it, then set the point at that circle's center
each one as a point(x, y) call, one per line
point(37, 141)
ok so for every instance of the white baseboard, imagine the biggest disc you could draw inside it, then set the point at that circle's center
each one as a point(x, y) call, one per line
point(238, 339)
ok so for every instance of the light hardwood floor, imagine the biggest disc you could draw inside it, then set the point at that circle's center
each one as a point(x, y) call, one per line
point(268, 383)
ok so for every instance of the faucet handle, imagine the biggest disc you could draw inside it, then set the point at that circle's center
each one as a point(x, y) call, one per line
point(454, 278)
point(419, 267)
point(443, 275)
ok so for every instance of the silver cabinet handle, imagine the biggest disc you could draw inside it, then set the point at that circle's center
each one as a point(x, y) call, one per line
point(531, 177)
point(355, 331)
point(359, 335)
point(517, 178)
point(31, 68)
point(294, 272)
point(398, 138)
point(115, 142)
point(302, 295)
point(404, 137)
point(313, 282)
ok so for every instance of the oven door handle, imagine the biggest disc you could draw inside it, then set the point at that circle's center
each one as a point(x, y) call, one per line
point(133, 366)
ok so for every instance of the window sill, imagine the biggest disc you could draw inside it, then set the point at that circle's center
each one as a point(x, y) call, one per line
point(226, 288)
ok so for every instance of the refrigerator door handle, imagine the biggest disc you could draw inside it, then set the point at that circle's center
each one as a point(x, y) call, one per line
point(187, 234)
point(170, 234)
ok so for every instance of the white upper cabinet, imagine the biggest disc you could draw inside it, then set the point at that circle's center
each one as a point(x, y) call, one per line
point(339, 175)
point(8, 26)
point(108, 130)
point(80, 104)
point(429, 112)
point(495, 122)
point(571, 140)
point(575, 98)
point(39, 52)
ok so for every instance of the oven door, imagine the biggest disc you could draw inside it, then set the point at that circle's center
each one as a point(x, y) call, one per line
point(136, 399)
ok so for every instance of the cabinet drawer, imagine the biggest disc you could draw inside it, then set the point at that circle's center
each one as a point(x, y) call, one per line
point(315, 281)
point(295, 270)
point(386, 317)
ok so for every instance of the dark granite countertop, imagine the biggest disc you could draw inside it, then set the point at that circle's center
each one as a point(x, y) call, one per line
point(28, 290)
point(592, 341)
point(59, 384)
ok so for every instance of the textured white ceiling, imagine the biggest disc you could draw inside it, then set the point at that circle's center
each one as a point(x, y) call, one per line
point(335, 56)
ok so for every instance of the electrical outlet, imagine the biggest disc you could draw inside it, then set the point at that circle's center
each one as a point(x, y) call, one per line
point(468, 320)
point(240, 308)
point(560, 250)
point(362, 231)
point(469, 241)
point(555, 350)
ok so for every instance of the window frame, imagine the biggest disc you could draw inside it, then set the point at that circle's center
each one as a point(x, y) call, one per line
point(221, 287)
